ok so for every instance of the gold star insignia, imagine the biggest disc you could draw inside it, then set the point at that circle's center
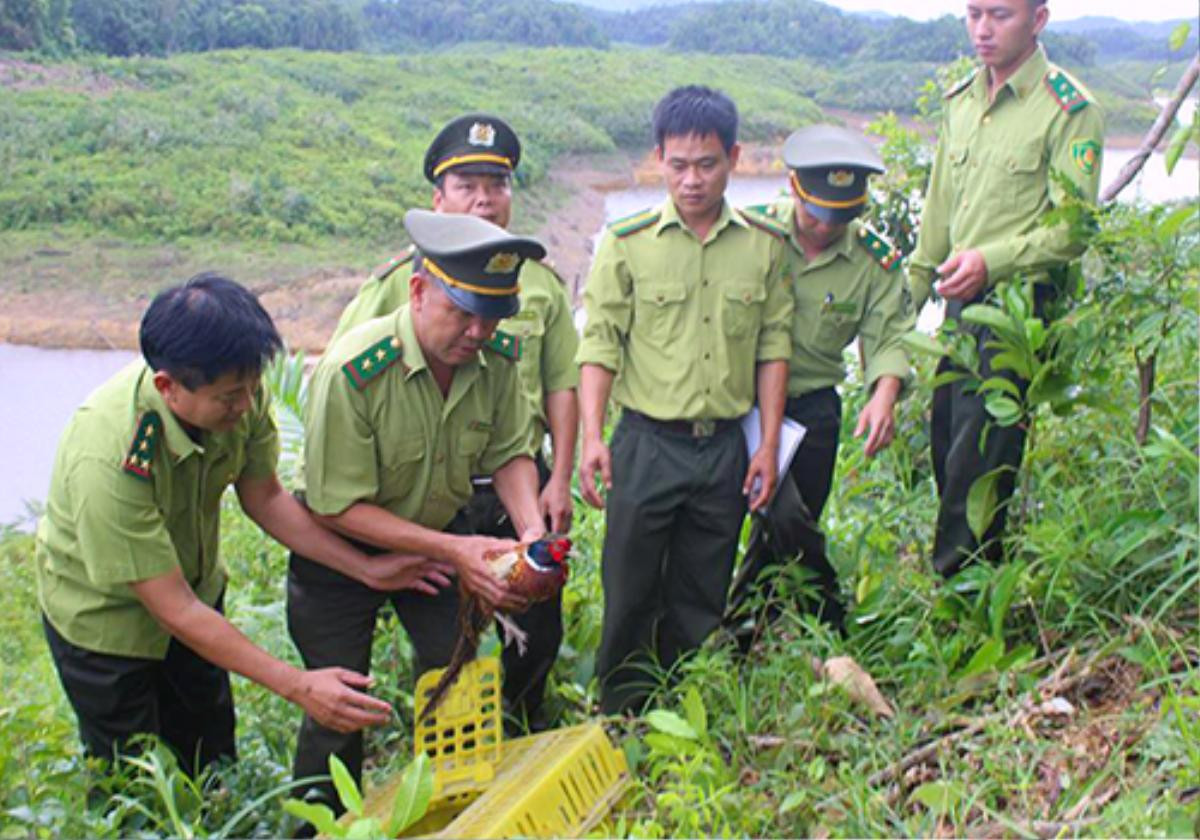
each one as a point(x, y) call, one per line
point(366, 365)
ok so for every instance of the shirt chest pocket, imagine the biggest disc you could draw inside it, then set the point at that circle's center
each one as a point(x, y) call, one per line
point(836, 327)
point(1023, 170)
point(741, 309)
point(465, 454)
point(659, 307)
point(402, 461)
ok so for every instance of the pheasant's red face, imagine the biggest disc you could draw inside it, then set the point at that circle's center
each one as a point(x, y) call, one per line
point(559, 549)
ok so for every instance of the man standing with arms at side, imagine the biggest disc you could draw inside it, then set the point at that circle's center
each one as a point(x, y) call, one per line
point(1005, 130)
point(402, 411)
point(688, 319)
point(846, 283)
point(470, 164)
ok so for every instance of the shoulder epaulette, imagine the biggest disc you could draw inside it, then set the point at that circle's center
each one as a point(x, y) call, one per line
point(886, 254)
point(761, 209)
point(145, 441)
point(367, 365)
point(548, 264)
point(632, 224)
point(765, 223)
point(506, 344)
point(961, 85)
point(1068, 96)
point(395, 262)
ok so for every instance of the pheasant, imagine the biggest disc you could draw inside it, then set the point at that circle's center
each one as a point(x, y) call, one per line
point(537, 571)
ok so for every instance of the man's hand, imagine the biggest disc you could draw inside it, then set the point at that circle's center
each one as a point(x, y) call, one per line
point(556, 503)
point(330, 697)
point(761, 477)
point(596, 458)
point(476, 575)
point(963, 276)
point(392, 572)
point(878, 421)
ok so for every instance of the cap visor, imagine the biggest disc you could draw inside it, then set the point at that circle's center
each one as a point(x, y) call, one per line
point(485, 306)
point(479, 169)
point(832, 215)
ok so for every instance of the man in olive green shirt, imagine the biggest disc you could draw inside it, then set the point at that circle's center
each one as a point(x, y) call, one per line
point(129, 577)
point(402, 411)
point(470, 164)
point(688, 320)
point(1005, 130)
point(846, 284)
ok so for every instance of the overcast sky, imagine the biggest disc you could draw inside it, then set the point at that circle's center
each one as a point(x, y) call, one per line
point(1059, 9)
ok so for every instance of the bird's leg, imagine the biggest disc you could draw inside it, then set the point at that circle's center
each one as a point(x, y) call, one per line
point(513, 633)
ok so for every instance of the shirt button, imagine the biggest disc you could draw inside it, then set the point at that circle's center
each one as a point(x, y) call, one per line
point(707, 356)
point(440, 458)
point(964, 204)
point(987, 119)
point(707, 319)
point(703, 282)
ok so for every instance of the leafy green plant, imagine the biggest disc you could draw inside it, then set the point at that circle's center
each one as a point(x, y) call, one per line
point(409, 804)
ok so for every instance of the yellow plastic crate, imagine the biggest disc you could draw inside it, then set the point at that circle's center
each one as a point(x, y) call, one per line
point(463, 737)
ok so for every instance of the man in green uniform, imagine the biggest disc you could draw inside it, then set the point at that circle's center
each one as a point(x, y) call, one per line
point(470, 164)
point(402, 411)
point(1005, 131)
point(846, 284)
point(129, 579)
point(688, 319)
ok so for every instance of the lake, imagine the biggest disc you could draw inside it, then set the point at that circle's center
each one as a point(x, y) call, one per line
point(39, 389)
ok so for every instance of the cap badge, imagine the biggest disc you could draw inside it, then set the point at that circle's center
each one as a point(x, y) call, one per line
point(503, 262)
point(840, 178)
point(482, 134)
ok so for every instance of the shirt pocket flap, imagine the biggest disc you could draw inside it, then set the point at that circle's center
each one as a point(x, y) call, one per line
point(1027, 158)
point(958, 156)
point(403, 452)
point(746, 293)
point(662, 294)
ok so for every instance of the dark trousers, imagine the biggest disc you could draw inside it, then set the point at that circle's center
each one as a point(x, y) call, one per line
point(524, 676)
point(331, 619)
point(791, 530)
point(183, 699)
point(965, 444)
point(673, 518)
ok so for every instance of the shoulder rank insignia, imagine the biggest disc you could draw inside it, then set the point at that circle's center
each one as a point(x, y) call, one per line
point(402, 259)
point(506, 344)
point(761, 209)
point(632, 224)
point(1065, 93)
point(886, 254)
point(765, 222)
point(961, 85)
point(145, 442)
point(367, 365)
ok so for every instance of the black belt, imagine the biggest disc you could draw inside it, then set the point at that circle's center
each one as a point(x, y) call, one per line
point(690, 428)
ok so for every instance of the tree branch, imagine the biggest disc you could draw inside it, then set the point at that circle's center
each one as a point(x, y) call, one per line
point(1155, 135)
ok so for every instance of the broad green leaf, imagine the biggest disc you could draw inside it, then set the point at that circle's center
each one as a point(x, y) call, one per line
point(318, 816)
point(990, 317)
point(1035, 333)
point(792, 801)
point(1179, 141)
point(1179, 217)
point(1179, 36)
point(999, 383)
point(347, 789)
point(671, 724)
point(1006, 410)
point(412, 795)
point(939, 797)
point(366, 828)
point(1017, 656)
point(1008, 360)
point(1003, 589)
point(946, 377)
point(981, 503)
point(918, 342)
point(668, 744)
point(693, 707)
point(985, 659)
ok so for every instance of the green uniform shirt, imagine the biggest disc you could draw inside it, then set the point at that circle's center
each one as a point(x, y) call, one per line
point(682, 323)
point(132, 497)
point(991, 184)
point(543, 325)
point(378, 430)
point(845, 292)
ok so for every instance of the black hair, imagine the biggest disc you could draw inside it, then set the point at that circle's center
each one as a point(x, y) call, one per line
point(206, 328)
point(696, 109)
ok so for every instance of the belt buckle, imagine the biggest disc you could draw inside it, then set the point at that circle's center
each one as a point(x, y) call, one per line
point(703, 428)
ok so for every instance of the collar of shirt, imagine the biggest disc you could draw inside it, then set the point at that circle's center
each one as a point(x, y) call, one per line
point(670, 218)
point(147, 398)
point(1021, 83)
point(839, 248)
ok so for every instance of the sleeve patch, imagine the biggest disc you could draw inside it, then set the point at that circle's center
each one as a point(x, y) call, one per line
point(632, 224)
point(1065, 93)
point(402, 259)
point(367, 365)
point(886, 254)
point(1086, 155)
point(145, 442)
point(506, 344)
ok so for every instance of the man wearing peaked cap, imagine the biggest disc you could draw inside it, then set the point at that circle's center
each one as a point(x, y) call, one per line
point(403, 411)
point(846, 284)
point(470, 164)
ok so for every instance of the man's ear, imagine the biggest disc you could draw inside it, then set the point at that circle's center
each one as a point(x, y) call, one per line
point(164, 383)
point(438, 199)
point(735, 152)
